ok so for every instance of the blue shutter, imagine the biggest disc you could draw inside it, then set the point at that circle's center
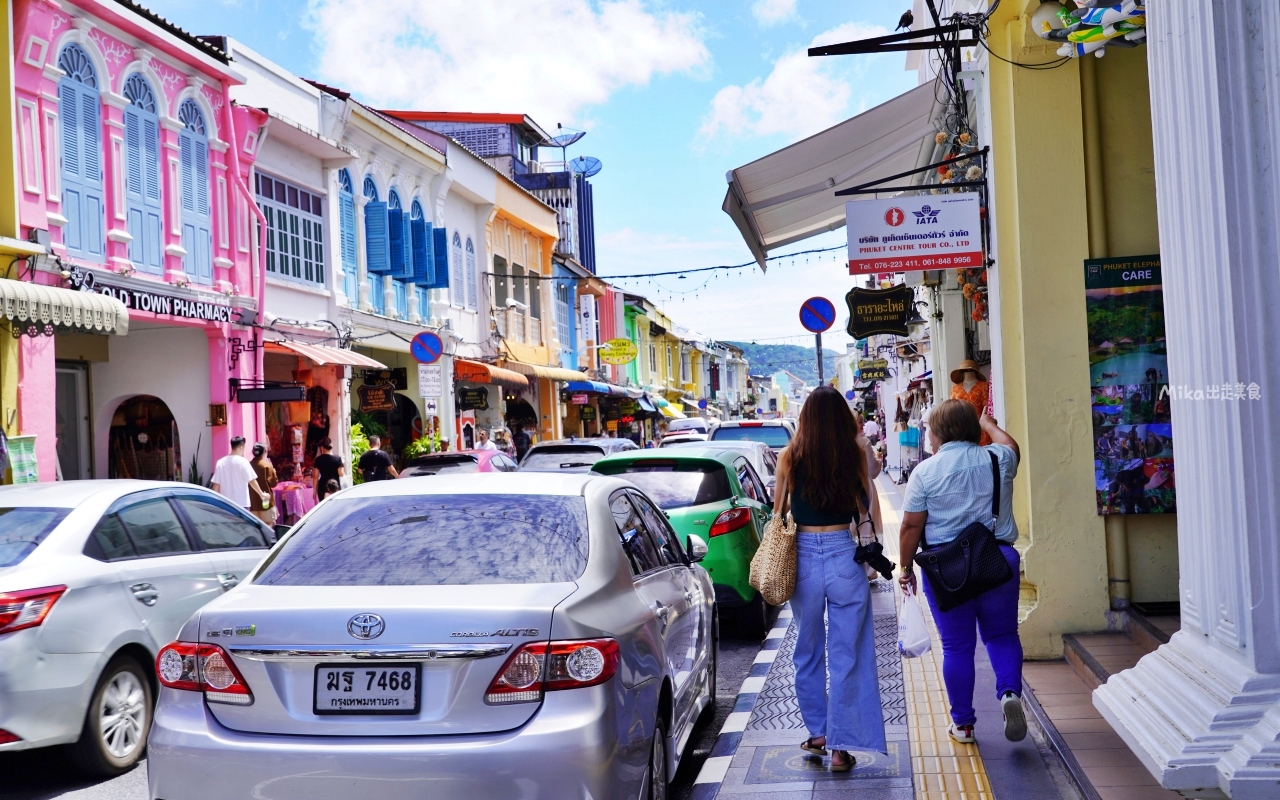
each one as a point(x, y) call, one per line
point(152, 223)
point(95, 239)
point(81, 171)
point(69, 107)
point(423, 266)
point(376, 298)
point(133, 188)
point(440, 242)
point(376, 241)
point(395, 240)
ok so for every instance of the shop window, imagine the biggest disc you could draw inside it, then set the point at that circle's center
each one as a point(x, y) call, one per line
point(377, 242)
point(501, 284)
point(295, 230)
point(377, 298)
point(424, 305)
point(669, 371)
point(142, 176)
point(193, 153)
point(562, 316)
point(472, 298)
point(535, 295)
point(81, 127)
point(421, 248)
point(347, 238)
point(653, 359)
point(402, 298)
point(517, 283)
point(457, 286)
point(143, 442)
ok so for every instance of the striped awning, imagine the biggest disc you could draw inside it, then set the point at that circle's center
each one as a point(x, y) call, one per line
point(549, 373)
point(36, 309)
point(323, 355)
point(478, 372)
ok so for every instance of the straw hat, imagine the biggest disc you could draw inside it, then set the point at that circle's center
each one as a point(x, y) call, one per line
point(957, 374)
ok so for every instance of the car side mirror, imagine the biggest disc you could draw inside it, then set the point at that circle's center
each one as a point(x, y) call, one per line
point(697, 548)
point(281, 530)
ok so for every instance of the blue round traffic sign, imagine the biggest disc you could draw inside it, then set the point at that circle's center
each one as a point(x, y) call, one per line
point(426, 347)
point(702, 403)
point(849, 395)
point(817, 314)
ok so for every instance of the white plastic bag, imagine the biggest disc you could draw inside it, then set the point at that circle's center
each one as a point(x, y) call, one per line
point(913, 636)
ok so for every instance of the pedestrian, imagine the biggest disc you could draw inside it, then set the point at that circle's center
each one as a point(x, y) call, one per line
point(376, 464)
point(871, 430)
point(944, 496)
point(264, 505)
point(233, 474)
point(331, 486)
point(484, 443)
point(326, 468)
point(822, 478)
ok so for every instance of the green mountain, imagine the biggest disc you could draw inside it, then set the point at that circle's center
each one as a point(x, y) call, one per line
point(766, 359)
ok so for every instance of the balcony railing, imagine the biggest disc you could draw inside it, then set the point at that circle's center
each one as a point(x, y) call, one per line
point(535, 331)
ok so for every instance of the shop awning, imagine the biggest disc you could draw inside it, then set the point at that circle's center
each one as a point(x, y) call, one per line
point(588, 386)
point(549, 373)
point(324, 356)
point(671, 412)
point(646, 405)
point(789, 195)
point(34, 306)
point(476, 372)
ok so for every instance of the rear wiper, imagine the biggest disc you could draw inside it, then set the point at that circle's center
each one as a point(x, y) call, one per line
point(572, 464)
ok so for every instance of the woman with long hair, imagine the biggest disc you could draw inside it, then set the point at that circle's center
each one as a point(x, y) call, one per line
point(822, 479)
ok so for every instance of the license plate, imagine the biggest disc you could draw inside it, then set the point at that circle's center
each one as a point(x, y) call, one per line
point(368, 688)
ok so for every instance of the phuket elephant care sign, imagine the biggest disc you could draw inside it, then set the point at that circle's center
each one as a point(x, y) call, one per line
point(904, 234)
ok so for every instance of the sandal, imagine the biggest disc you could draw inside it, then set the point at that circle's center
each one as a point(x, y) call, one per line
point(809, 747)
point(843, 766)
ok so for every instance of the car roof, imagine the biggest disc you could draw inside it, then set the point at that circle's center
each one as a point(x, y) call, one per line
point(534, 483)
point(726, 444)
point(451, 455)
point(699, 452)
point(751, 423)
point(70, 494)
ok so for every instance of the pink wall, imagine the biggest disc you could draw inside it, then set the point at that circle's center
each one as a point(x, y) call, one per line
point(176, 71)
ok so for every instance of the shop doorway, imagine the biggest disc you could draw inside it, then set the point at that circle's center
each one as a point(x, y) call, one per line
point(403, 424)
point(143, 443)
point(520, 415)
point(72, 392)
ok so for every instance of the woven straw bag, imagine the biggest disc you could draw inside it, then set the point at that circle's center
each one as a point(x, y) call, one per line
point(773, 567)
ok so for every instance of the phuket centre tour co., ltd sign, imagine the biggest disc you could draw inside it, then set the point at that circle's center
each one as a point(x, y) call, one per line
point(904, 234)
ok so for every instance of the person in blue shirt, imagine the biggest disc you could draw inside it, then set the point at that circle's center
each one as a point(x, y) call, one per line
point(944, 495)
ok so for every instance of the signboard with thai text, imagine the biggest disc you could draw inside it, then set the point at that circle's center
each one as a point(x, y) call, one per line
point(904, 234)
point(874, 311)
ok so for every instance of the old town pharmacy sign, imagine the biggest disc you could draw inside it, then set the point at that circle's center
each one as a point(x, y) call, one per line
point(157, 298)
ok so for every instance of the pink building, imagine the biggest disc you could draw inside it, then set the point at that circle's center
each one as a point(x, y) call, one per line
point(133, 158)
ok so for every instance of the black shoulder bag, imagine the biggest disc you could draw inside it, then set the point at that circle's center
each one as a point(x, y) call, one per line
point(971, 564)
point(873, 552)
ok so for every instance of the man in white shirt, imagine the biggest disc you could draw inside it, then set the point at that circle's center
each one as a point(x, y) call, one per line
point(484, 443)
point(233, 475)
point(871, 430)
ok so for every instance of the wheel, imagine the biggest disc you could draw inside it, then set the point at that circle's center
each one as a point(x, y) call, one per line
point(658, 763)
point(709, 712)
point(116, 725)
point(750, 618)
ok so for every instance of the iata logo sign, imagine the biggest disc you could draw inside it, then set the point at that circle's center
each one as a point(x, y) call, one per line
point(894, 217)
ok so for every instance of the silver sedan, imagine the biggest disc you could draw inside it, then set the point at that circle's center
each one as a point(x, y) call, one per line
point(474, 636)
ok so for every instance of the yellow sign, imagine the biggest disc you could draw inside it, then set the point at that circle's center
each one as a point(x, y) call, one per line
point(618, 351)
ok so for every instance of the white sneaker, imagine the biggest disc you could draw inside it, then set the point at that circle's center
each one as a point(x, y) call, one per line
point(1015, 719)
point(961, 733)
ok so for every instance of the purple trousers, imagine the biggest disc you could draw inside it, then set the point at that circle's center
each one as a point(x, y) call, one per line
point(994, 615)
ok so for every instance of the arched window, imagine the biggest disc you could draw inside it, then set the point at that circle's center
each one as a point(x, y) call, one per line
point(370, 189)
point(398, 239)
point(193, 151)
point(457, 287)
point(142, 176)
point(420, 248)
point(347, 236)
point(81, 128)
point(472, 298)
point(377, 245)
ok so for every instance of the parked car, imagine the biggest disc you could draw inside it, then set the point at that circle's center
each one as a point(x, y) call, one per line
point(96, 577)
point(761, 455)
point(571, 455)
point(682, 438)
point(712, 493)
point(774, 432)
point(479, 636)
point(689, 425)
point(459, 461)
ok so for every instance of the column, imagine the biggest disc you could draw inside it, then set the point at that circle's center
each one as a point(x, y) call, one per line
point(1203, 711)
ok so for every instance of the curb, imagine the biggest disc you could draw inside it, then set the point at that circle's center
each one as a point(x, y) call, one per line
point(707, 785)
point(1059, 747)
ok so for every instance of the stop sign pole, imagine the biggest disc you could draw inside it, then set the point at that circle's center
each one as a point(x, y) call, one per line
point(818, 314)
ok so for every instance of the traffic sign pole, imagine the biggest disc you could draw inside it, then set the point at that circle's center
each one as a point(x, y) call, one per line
point(818, 338)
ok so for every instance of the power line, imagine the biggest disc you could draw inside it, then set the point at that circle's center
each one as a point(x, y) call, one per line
point(743, 265)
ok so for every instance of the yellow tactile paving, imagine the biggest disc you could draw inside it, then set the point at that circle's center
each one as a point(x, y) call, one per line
point(943, 768)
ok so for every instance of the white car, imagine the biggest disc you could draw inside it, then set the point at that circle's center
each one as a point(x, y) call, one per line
point(776, 433)
point(95, 578)
point(690, 425)
point(672, 439)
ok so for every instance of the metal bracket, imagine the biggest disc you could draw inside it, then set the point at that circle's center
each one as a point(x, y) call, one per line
point(238, 346)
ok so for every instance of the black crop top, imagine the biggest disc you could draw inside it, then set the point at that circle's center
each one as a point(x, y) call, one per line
point(804, 513)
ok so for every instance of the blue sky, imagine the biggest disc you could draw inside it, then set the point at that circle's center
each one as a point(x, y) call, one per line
point(672, 94)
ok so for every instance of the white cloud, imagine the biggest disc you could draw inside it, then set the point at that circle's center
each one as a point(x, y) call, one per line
point(548, 59)
point(799, 97)
point(773, 12)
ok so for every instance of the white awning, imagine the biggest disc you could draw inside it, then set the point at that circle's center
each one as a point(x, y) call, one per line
point(789, 195)
point(38, 309)
point(323, 355)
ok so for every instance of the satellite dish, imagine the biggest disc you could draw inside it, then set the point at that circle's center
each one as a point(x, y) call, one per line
point(564, 137)
point(586, 166)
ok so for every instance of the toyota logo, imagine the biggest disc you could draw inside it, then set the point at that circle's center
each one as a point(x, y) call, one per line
point(366, 626)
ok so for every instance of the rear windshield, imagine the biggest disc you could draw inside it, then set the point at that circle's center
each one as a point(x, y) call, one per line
point(675, 485)
point(435, 540)
point(441, 466)
point(23, 529)
point(772, 435)
point(565, 457)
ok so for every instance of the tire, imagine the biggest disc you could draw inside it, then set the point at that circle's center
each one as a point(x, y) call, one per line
point(750, 618)
point(658, 786)
point(709, 713)
point(117, 722)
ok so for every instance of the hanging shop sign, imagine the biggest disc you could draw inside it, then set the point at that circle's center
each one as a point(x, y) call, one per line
point(144, 295)
point(469, 399)
point(874, 311)
point(587, 414)
point(1129, 386)
point(904, 234)
point(876, 369)
point(579, 399)
point(397, 377)
point(430, 380)
point(618, 352)
point(377, 397)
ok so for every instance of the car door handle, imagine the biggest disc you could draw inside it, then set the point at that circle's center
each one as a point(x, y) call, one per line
point(688, 597)
point(229, 580)
point(145, 593)
point(660, 611)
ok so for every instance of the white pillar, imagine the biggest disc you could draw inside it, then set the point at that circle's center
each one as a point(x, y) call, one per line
point(1203, 711)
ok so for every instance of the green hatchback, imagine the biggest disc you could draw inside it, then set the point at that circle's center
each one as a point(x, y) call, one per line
point(713, 492)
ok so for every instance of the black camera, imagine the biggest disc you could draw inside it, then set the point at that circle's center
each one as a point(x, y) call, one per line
point(873, 554)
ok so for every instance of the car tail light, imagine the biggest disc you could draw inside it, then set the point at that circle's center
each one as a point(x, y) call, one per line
point(28, 608)
point(8, 738)
point(750, 424)
point(730, 521)
point(539, 667)
point(202, 668)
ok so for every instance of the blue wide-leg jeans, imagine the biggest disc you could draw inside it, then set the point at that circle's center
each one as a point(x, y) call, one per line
point(832, 606)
